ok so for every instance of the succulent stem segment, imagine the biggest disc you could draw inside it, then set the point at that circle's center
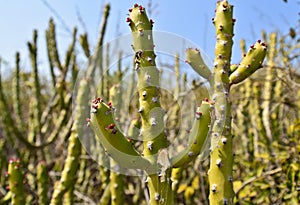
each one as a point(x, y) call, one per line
point(197, 136)
point(15, 177)
point(221, 161)
point(152, 129)
point(250, 63)
point(194, 58)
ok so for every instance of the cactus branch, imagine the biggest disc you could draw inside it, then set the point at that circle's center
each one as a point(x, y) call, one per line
point(197, 136)
point(194, 58)
point(250, 63)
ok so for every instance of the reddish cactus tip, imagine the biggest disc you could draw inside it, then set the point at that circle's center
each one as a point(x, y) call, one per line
point(135, 5)
point(199, 113)
point(233, 20)
point(258, 41)
point(130, 10)
point(151, 21)
point(128, 20)
point(206, 99)
point(111, 126)
point(252, 46)
point(11, 160)
point(110, 104)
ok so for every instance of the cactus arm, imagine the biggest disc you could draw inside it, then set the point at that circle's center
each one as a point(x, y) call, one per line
point(53, 51)
point(42, 183)
point(70, 51)
point(15, 177)
point(115, 143)
point(250, 63)
point(83, 40)
point(17, 100)
point(221, 159)
point(194, 58)
point(37, 113)
point(197, 137)
point(99, 49)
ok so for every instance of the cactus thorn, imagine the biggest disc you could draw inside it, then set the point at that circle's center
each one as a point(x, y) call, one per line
point(150, 145)
point(190, 154)
point(214, 188)
point(224, 140)
point(157, 196)
point(144, 93)
point(219, 163)
point(141, 110)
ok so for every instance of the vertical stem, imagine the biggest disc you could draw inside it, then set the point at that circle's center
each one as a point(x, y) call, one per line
point(220, 172)
point(152, 129)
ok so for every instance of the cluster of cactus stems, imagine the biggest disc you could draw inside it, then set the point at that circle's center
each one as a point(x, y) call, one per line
point(152, 127)
point(166, 176)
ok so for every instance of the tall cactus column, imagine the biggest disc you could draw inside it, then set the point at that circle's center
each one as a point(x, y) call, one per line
point(152, 130)
point(225, 75)
point(220, 172)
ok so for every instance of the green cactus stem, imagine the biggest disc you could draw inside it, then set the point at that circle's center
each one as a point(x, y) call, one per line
point(42, 182)
point(152, 129)
point(221, 161)
point(68, 176)
point(197, 136)
point(83, 40)
point(37, 113)
point(269, 86)
point(250, 63)
point(17, 101)
point(16, 180)
point(116, 179)
point(52, 47)
point(194, 58)
point(99, 49)
point(116, 144)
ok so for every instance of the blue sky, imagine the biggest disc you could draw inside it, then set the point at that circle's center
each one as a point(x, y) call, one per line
point(189, 19)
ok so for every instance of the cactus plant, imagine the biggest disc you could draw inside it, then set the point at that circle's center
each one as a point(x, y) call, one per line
point(154, 157)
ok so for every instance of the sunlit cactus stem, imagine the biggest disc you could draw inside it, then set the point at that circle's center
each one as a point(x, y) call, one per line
point(225, 75)
point(43, 182)
point(16, 180)
point(152, 129)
